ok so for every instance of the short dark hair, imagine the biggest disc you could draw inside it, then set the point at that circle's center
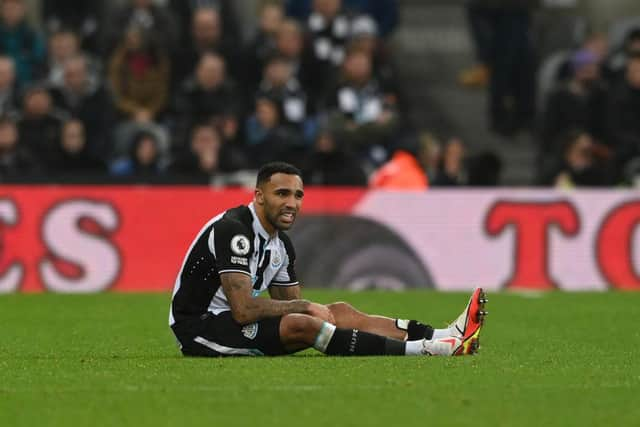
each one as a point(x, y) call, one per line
point(269, 169)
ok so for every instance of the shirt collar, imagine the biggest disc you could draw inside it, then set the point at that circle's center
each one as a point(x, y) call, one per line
point(257, 225)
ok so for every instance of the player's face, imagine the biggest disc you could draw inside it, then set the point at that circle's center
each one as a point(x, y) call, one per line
point(281, 199)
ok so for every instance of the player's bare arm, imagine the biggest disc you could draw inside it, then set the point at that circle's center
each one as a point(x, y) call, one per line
point(247, 309)
point(285, 293)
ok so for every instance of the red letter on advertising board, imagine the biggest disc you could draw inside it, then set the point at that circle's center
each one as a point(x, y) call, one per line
point(88, 251)
point(532, 222)
point(614, 247)
point(11, 278)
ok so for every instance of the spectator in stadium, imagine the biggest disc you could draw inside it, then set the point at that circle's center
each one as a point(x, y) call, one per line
point(512, 64)
point(83, 96)
point(429, 154)
point(268, 139)
point(144, 162)
point(73, 160)
point(62, 45)
point(597, 44)
point(16, 161)
point(40, 124)
point(478, 18)
point(452, 171)
point(228, 319)
point(184, 11)
point(616, 64)
point(149, 17)
point(364, 119)
point(233, 150)
point(623, 124)
point(202, 160)
point(125, 134)
point(385, 12)
point(233, 156)
point(290, 44)
point(364, 37)
point(578, 164)
point(206, 37)
point(139, 76)
point(9, 96)
point(331, 165)
point(579, 102)
point(263, 45)
point(78, 16)
point(329, 30)
point(20, 42)
point(280, 85)
point(209, 96)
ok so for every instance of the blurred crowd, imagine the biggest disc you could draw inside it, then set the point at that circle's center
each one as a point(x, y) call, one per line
point(581, 104)
point(170, 91)
point(589, 127)
point(148, 91)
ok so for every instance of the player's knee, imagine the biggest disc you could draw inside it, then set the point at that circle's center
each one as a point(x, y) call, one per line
point(340, 309)
point(299, 327)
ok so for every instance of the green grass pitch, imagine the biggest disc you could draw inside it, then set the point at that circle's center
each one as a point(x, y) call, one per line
point(557, 359)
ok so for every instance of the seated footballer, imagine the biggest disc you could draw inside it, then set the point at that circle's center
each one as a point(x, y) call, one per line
point(244, 251)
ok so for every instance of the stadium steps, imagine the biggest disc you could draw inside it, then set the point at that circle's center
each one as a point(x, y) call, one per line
point(432, 45)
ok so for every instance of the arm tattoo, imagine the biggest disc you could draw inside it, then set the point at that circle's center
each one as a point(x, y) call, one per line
point(246, 309)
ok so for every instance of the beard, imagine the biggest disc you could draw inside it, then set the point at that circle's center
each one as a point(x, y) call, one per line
point(281, 219)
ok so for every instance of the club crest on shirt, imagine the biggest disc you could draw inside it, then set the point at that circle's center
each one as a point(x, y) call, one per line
point(276, 261)
point(250, 331)
point(240, 245)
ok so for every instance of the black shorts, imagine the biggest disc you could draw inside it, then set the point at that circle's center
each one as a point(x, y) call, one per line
point(213, 335)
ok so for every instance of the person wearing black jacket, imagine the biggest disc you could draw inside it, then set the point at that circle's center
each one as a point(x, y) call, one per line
point(511, 59)
point(332, 165)
point(578, 164)
point(72, 160)
point(84, 97)
point(16, 161)
point(81, 16)
point(40, 123)
point(623, 117)
point(207, 36)
point(578, 103)
point(208, 97)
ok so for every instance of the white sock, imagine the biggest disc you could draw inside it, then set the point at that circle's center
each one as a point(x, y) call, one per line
point(324, 336)
point(414, 348)
point(441, 333)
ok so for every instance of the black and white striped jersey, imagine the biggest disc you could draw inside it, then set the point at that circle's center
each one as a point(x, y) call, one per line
point(234, 241)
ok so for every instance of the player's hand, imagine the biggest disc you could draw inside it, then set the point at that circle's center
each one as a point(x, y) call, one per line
point(321, 311)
